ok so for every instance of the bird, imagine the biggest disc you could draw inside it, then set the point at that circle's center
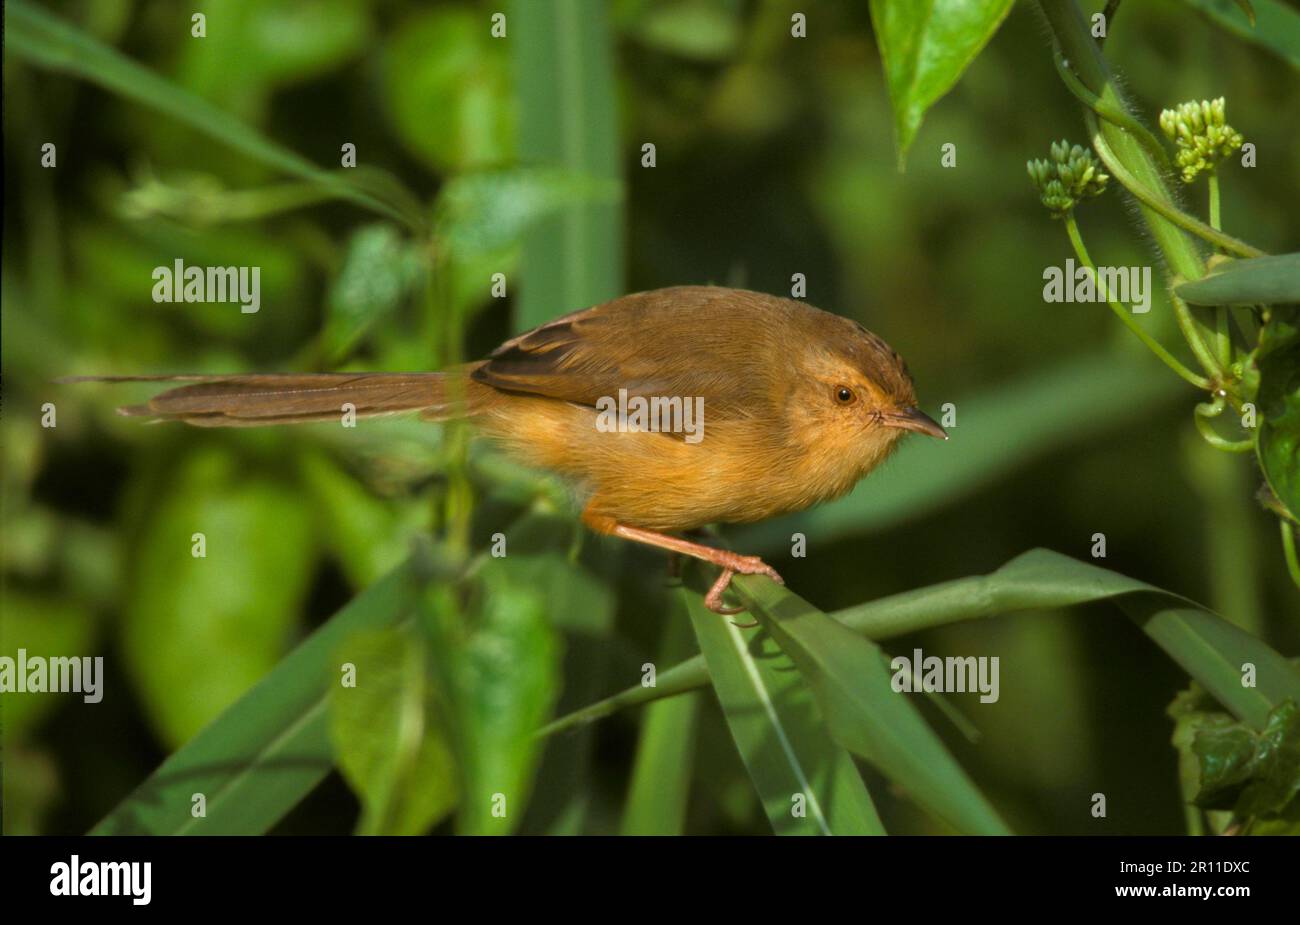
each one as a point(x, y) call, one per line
point(668, 410)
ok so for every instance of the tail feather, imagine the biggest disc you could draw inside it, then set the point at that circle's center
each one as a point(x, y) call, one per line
point(257, 400)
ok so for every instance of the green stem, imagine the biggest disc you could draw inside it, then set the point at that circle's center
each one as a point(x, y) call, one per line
point(1113, 114)
point(1214, 201)
point(1072, 229)
point(1222, 334)
point(1288, 547)
point(1091, 76)
point(1167, 210)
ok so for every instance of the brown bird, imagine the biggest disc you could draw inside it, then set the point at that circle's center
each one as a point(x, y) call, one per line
point(669, 409)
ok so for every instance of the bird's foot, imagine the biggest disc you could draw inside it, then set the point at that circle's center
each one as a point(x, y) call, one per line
point(733, 564)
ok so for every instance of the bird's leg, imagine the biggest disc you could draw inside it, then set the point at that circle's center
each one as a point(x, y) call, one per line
point(731, 563)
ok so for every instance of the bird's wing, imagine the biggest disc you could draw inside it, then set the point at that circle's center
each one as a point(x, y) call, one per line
point(662, 343)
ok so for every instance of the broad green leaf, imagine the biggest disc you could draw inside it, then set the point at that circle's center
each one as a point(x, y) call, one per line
point(498, 660)
point(661, 773)
point(925, 46)
point(863, 713)
point(1228, 765)
point(1255, 281)
point(264, 754)
point(808, 783)
point(289, 40)
point(1070, 403)
point(241, 597)
point(565, 82)
point(1278, 446)
point(363, 533)
point(1208, 647)
point(44, 625)
point(1276, 24)
point(38, 37)
point(695, 29)
point(486, 212)
point(447, 82)
point(379, 269)
point(387, 728)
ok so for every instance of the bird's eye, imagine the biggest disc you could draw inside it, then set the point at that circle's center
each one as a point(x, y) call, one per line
point(843, 394)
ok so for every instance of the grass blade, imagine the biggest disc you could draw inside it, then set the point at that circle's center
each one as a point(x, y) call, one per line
point(807, 783)
point(863, 712)
point(264, 754)
point(42, 39)
point(1036, 580)
point(564, 72)
point(661, 775)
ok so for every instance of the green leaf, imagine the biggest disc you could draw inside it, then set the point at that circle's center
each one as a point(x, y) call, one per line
point(661, 773)
point(289, 40)
point(264, 754)
point(40, 38)
point(46, 626)
point(1274, 26)
point(447, 83)
point(379, 269)
point(1278, 446)
point(808, 783)
point(241, 598)
point(388, 734)
point(1230, 766)
point(498, 660)
point(1208, 647)
point(862, 711)
point(484, 212)
point(1254, 281)
point(698, 30)
point(925, 46)
point(363, 533)
point(565, 83)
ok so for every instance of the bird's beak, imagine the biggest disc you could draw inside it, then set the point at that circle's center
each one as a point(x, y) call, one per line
point(914, 419)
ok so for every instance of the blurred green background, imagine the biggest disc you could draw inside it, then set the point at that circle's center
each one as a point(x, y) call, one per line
point(774, 156)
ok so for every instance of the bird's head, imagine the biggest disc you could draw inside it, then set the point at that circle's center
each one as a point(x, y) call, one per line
point(853, 396)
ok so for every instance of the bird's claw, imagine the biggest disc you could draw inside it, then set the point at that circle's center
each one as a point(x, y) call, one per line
point(732, 565)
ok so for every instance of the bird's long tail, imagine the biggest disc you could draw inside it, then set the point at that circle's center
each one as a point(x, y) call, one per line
point(257, 400)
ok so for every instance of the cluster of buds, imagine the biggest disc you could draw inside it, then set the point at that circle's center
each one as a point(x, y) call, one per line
point(1071, 176)
point(1203, 137)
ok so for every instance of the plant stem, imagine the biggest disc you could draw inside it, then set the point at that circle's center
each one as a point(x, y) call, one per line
point(1288, 547)
point(1214, 200)
point(1143, 194)
point(1112, 114)
point(1223, 337)
point(1072, 229)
